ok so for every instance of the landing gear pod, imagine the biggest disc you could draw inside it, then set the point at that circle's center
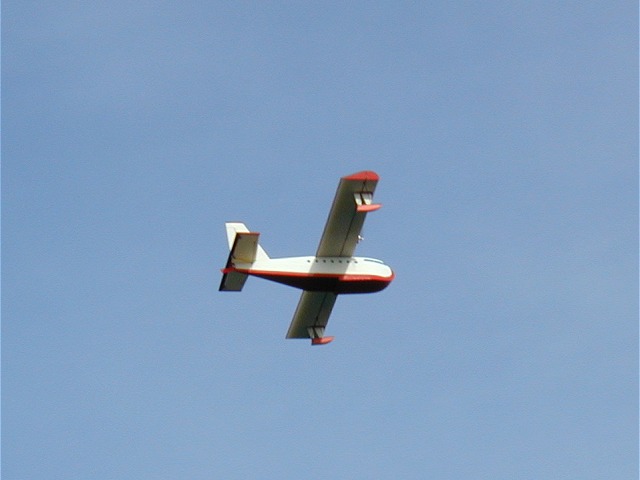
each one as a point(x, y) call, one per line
point(321, 340)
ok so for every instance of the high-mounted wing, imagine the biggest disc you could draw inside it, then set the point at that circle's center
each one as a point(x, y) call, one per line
point(354, 198)
point(312, 315)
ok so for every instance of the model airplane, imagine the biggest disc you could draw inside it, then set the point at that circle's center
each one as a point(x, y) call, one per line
point(332, 271)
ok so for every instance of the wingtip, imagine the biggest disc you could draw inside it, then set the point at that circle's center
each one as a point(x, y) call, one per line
point(364, 176)
point(321, 340)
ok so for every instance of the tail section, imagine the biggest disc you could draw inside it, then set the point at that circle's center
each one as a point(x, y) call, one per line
point(244, 249)
point(232, 281)
point(233, 228)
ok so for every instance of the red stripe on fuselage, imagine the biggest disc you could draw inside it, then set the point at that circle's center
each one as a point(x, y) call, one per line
point(323, 282)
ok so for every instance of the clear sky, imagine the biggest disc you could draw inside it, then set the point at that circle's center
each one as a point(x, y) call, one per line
point(505, 134)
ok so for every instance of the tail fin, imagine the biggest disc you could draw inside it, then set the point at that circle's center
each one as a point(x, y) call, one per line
point(234, 228)
point(244, 248)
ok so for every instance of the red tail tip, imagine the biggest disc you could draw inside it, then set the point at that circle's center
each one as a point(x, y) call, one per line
point(321, 341)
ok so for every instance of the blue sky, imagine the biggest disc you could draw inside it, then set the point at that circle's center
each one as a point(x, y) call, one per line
point(506, 138)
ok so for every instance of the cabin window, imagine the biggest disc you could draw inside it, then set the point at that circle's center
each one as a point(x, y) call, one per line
point(373, 260)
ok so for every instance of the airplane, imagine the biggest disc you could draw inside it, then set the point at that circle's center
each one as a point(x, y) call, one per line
point(332, 271)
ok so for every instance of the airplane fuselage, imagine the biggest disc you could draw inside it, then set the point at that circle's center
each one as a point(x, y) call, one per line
point(327, 274)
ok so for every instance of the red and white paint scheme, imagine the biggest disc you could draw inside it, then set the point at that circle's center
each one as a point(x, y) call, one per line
point(333, 270)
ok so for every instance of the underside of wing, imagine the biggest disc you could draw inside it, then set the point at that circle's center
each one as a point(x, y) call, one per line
point(312, 315)
point(354, 198)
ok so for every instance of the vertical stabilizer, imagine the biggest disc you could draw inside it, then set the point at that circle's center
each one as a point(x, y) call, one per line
point(236, 227)
point(243, 249)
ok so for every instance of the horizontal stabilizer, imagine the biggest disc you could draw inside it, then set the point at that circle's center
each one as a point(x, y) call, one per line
point(235, 229)
point(244, 248)
point(232, 281)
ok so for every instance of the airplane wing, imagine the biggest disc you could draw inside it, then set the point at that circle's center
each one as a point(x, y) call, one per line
point(312, 315)
point(354, 198)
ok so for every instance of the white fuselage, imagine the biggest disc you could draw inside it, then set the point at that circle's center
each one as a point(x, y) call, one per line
point(338, 274)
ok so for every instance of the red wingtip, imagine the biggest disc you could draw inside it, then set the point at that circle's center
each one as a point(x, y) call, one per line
point(365, 175)
point(368, 208)
point(321, 341)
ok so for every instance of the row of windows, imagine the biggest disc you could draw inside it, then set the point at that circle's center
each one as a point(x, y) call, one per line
point(333, 261)
point(324, 260)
